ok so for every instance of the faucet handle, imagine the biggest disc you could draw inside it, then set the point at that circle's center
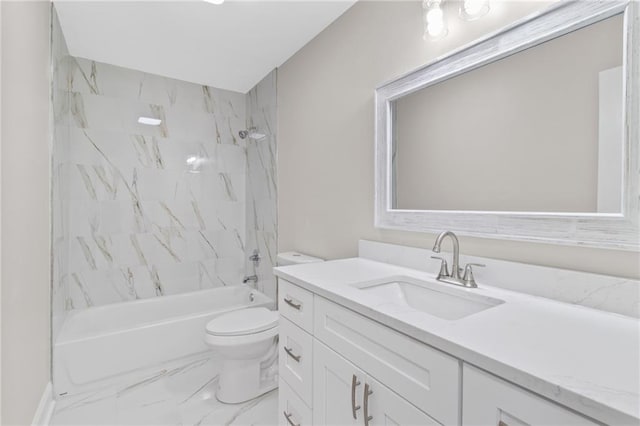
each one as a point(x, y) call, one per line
point(444, 270)
point(468, 279)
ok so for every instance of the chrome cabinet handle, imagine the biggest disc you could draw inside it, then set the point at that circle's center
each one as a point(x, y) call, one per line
point(367, 392)
point(293, 305)
point(288, 417)
point(289, 352)
point(354, 382)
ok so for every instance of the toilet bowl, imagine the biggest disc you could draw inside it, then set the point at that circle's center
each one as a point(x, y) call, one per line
point(246, 340)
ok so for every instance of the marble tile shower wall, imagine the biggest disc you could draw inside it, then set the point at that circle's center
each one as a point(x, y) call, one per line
point(60, 65)
point(152, 211)
point(262, 215)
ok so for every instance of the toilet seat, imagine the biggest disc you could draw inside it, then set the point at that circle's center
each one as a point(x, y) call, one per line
point(243, 322)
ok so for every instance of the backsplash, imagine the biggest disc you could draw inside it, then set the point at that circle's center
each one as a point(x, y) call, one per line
point(603, 292)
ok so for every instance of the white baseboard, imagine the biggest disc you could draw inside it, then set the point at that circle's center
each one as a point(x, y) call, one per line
point(45, 407)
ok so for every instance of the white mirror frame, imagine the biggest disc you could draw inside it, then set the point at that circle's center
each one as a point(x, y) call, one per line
point(616, 231)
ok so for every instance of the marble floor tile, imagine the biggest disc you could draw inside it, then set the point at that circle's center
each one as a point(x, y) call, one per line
point(181, 394)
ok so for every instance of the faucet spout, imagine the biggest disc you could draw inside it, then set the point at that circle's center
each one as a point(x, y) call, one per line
point(252, 278)
point(455, 266)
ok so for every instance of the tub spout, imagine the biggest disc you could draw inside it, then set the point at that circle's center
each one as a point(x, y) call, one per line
point(252, 278)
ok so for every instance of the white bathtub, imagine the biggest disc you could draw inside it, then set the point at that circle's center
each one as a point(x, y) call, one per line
point(97, 345)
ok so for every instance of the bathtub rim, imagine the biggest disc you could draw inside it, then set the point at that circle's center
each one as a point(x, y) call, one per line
point(63, 338)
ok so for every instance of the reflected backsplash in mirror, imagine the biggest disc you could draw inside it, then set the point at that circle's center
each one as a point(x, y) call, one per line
point(537, 131)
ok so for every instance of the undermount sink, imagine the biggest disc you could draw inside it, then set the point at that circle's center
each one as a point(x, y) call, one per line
point(433, 298)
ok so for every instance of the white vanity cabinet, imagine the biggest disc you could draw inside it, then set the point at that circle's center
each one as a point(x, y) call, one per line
point(338, 367)
point(407, 382)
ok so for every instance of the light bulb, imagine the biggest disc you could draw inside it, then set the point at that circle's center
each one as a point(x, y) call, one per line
point(435, 29)
point(474, 9)
point(434, 16)
point(434, 24)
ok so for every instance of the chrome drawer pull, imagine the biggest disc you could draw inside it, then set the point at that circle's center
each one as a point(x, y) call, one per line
point(288, 417)
point(293, 305)
point(291, 354)
point(367, 392)
point(354, 382)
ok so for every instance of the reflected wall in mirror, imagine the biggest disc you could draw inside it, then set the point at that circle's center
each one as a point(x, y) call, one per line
point(524, 133)
point(529, 134)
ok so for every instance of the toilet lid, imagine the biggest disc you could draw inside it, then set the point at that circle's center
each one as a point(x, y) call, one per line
point(242, 322)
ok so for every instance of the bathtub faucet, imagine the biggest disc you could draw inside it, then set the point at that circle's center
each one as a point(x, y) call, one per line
point(252, 278)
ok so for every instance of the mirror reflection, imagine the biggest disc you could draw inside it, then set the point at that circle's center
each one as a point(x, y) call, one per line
point(537, 131)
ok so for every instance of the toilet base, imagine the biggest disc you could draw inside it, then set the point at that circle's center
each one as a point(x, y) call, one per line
point(241, 381)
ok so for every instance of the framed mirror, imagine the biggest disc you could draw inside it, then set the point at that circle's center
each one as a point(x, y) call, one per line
point(529, 134)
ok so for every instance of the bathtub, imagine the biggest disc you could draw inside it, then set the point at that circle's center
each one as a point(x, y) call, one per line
point(97, 345)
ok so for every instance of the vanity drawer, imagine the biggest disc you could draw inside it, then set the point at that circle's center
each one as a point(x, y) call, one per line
point(426, 377)
point(295, 358)
point(489, 400)
point(296, 304)
point(291, 409)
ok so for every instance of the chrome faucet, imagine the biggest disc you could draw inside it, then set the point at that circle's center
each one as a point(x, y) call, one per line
point(455, 267)
point(453, 277)
point(255, 258)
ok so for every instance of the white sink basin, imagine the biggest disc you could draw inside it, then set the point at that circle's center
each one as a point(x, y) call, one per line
point(441, 300)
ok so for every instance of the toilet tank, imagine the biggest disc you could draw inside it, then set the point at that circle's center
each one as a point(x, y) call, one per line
point(295, 258)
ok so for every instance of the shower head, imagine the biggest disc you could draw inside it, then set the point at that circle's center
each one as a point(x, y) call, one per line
point(251, 134)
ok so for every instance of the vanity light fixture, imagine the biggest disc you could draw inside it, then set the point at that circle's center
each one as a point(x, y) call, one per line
point(473, 9)
point(435, 26)
point(434, 23)
point(149, 121)
point(216, 2)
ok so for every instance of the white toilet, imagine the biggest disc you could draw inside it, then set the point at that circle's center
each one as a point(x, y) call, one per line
point(246, 340)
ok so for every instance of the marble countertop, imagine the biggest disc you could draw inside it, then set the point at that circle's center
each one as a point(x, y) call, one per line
point(585, 359)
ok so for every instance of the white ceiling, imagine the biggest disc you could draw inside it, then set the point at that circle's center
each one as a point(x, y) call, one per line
point(231, 46)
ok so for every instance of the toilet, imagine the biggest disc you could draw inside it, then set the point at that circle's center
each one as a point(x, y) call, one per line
point(246, 340)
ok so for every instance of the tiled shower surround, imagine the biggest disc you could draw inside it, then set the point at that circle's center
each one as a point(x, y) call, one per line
point(262, 215)
point(144, 211)
point(61, 62)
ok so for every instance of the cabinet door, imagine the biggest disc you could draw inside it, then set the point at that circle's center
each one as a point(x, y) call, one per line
point(385, 407)
point(337, 388)
point(489, 400)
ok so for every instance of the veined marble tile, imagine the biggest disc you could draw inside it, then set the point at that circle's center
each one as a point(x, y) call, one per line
point(146, 210)
point(261, 209)
point(230, 270)
point(109, 80)
point(181, 393)
point(91, 111)
point(60, 155)
point(179, 278)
